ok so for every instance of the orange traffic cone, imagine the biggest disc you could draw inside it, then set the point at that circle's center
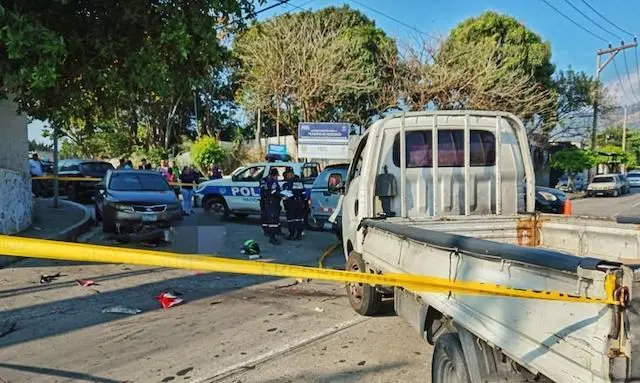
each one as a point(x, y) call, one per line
point(568, 210)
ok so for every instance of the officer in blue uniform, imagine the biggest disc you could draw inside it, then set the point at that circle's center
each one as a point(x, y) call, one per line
point(294, 205)
point(270, 205)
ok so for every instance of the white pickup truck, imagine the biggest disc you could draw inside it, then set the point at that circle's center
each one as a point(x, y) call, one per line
point(466, 212)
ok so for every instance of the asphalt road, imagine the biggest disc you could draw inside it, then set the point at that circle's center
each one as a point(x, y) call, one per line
point(231, 328)
point(626, 205)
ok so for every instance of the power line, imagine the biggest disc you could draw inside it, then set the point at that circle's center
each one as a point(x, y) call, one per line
point(279, 3)
point(592, 20)
point(605, 19)
point(391, 18)
point(624, 55)
point(624, 92)
point(300, 7)
point(574, 22)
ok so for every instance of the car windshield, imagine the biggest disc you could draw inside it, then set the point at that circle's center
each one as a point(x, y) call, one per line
point(602, 179)
point(323, 179)
point(138, 182)
point(95, 167)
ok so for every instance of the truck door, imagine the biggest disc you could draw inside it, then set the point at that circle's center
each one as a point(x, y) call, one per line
point(351, 207)
point(244, 191)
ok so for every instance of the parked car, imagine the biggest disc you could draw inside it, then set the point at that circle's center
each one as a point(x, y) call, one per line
point(130, 198)
point(605, 184)
point(626, 185)
point(634, 178)
point(550, 200)
point(321, 201)
point(81, 190)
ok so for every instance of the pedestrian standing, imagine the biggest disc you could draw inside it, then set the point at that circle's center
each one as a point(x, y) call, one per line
point(294, 205)
point(270, 203)
point(187, 178)
point(128, 165)
point(164, 168)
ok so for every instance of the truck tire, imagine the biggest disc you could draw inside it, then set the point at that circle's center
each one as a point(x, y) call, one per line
point(364, 299)
point(216, 206)
point(448, 364)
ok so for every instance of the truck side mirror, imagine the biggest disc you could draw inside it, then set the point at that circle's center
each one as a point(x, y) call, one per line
point(335, 184)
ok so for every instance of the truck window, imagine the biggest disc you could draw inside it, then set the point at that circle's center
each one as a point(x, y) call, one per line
point(450, 148)
point(254, 173)
point(356, 165)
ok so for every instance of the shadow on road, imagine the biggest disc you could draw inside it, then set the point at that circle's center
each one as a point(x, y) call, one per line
point(76, 376)
point(357, 374)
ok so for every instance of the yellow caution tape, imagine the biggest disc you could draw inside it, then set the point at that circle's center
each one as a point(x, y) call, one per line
point(38, 248)
point(92, 179)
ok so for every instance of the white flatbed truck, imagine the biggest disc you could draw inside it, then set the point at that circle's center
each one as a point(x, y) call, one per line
point(465, 211)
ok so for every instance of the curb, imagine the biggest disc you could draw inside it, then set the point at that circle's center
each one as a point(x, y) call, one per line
point(71, 234)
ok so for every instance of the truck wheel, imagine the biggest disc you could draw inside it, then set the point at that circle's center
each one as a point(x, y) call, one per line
point(217, 207)
point(448, 364)
point(364, 299)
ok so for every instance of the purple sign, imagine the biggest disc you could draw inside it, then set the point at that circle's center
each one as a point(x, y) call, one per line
point(323, 133)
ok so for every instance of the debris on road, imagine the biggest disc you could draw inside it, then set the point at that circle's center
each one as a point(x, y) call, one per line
point(319, 309)
point(289, 285)
point(86, 282)
point(121, 310)
point(7, 327)
point(215, 303)
point(254, 256)
point(49, 278)
point(362, 363)
point(168, 300)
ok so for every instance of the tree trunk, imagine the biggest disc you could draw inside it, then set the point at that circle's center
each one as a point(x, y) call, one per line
point(170, 115)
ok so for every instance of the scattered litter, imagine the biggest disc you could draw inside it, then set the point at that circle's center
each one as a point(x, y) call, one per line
point(362, 363)
point(272, 329)
point(8, 327)
point(300, 280)
point(254, 256)
point(86, 282)
point(289, 285)
point(215, 303)
point(121, 310)
point(184, 372)
point(49, 278)
point(319, 309)
point(168, 300)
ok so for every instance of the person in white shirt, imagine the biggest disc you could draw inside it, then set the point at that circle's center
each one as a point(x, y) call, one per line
point(35, 166)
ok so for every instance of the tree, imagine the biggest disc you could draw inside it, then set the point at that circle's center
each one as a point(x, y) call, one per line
point(573, 160)
point(315, 66)
point(38, 146)
point(94, 62)
point(207, 151)
point(508, 49)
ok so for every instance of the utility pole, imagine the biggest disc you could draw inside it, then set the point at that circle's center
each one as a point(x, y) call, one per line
point(259, 131)
point(611, 52)
point(624, 130)
point(56, 184)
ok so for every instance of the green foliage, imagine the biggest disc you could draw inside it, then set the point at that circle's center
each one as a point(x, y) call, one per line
point(519, 48)
point(39, 146)
point(207, 151)
point(612, 155)
point(67, 60)
point(573, 160)
point(325, 65)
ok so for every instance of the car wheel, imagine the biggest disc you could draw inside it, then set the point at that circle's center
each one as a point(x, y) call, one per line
point(615, 193)
point(448, 364)
point(364, 299)
point(217, 207)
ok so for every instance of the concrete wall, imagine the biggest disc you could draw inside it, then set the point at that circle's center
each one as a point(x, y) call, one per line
point(15, 182)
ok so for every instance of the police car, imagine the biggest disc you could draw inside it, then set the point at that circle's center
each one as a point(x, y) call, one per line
point(240, 193)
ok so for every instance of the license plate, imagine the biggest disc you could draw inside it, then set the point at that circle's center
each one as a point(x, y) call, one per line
point(149, 218)
point(600, 193)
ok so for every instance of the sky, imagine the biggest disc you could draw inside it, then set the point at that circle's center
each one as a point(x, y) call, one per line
point(571, 46)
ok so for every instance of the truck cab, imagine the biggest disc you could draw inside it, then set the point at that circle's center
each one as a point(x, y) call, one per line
point(240, 193)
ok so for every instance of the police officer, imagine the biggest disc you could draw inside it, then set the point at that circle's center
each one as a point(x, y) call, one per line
point(295, 205)
point(270, 205)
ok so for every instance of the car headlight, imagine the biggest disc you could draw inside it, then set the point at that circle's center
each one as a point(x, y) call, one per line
point(589, 187)
point(548, 196)
point(125, 208)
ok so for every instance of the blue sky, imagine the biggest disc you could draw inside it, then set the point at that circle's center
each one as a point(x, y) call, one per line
point(571, 46)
